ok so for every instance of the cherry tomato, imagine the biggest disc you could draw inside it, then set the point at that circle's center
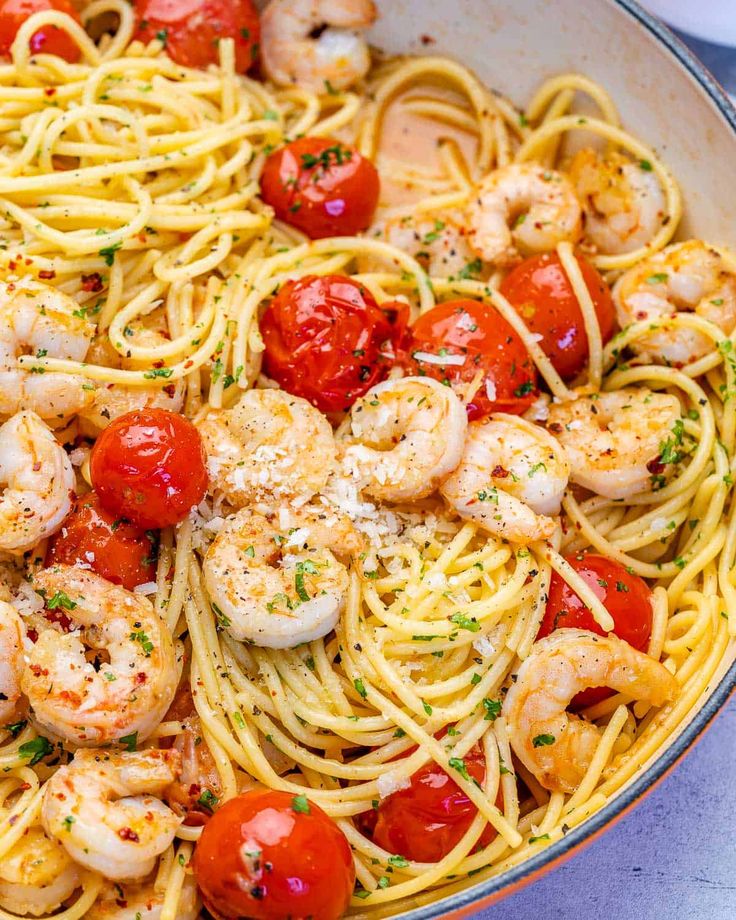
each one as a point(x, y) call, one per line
point(328, 341)
point(47, 40)
point(475, 332)
point(625, 596)
point(191, 29)
point(113, 547)
point(541, 292)
point(321, 186)
point(269, 855)
point(149, 466)
point(427, 819)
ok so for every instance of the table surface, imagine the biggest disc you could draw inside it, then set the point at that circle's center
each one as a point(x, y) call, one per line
point(675, 854)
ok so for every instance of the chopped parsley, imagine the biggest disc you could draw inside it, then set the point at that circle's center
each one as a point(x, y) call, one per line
point(543, 740)
point(36, 749)
point(300, 804)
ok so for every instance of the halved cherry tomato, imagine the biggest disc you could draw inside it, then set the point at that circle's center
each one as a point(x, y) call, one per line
point(270, 855)
point(625, 596)
point(456, 339)
point(427, 819)
point(191, 29)
point(149, 466)
point(49, 39)
point(321, 186)
point(112, 546)
point(541, 292)
point(328, 341)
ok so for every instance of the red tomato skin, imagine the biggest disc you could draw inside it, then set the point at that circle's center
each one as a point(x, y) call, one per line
point(114, 549)
point(477, 331)
point(337, 199)
point(149, 466)
point(427, 819)
point(631, 609)
point(305, 868)
point(48, 40)
point(328, 341)
point(541, 293)
point(193, 28)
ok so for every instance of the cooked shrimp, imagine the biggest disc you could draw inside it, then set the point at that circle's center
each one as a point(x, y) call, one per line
point(623, 201)
point(11, 663)
point(269, 445)
point(278, 583)
point(105, 810)
point(113, 400)
point(522, 209)
point(407, 436)
point(36, 478)
point(41, 320)
point(143, 902)
point(36, 875)
point(511, 478)
point(336, 58)
point(553, 745)
point(136, 674)
point(689, 277)
point(612, 439)
point(440, 246)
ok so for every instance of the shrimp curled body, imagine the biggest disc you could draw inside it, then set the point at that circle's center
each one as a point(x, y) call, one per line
point(558, 747)
point(512, 476)
point(130, 692)
point(105, 810)
point(11, 663)
point(336, 59)
point(36, 875)
point(408, 435)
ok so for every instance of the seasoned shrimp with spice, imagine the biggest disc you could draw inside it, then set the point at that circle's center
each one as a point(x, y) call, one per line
point(316, 44)
point(127, 687)
point(40, 320)
point(37, 482)
point(440, 246)
point(36, 875)
point(510, 480)
point(106, 810)
point(555, 746)
point(269, 445)
point(11, 663)
point(406, 436)
point(522, 209)
point(617, 441)
point(279, 582)
point(622, 199)
point(684, 277)
point(143, 902)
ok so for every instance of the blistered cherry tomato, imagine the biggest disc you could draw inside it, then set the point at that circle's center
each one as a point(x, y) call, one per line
point(112, 546)
point(625, 596)
point(456, 339)
point(270, 855)
point(149, 466)
point(328, 341)
point(47, 40)
point(541, 292)
point(191, 29)
point(321, 186)
point(427, 819)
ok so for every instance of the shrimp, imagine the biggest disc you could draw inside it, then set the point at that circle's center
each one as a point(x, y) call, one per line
point(105, 810)
point(623, 201)
point(41, 320)
point(440, 246)
point(269, 445)
point(512, 476)
point(278, 584)
point(407, 436)
point(335, 59)
point(615, 441)
point(11, 663)
point(143, 902)
point(36, 875)
point(38, 481)
point(522, 209)
point(136, 674)
point(688, 276)
point(553, 745)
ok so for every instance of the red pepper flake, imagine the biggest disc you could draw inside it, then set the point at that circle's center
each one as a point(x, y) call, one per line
point(655, 467)
point(127, 833)
point(159, 363)
point(50, 91)
point(170, 390)
point(428, 40)
point(47, 274)
point(32, 635)
point(92, 283)
point(141, 677)
point(36, 466)
point(12, 265)
point(499, 472)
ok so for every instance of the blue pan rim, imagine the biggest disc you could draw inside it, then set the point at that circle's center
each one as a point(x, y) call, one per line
point(495, 887)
